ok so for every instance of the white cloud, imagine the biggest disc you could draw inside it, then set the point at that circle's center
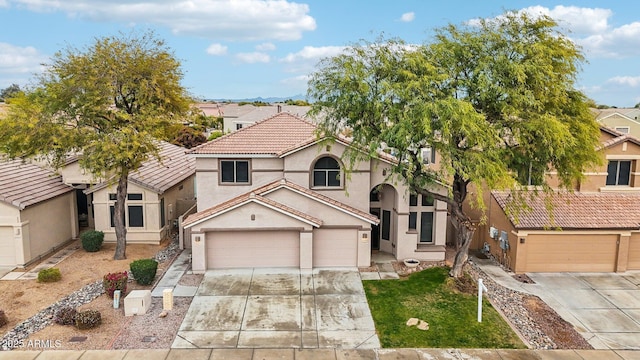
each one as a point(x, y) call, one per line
point(254, 57)
point(632, 81)
point(305, 60)
point(408, 17)
point(579, 20)
point(4, 4)
point(217, 49)
point(265, 47)
point(247, 20)
point(590, 28)
point(20, 60)
point(313, 53)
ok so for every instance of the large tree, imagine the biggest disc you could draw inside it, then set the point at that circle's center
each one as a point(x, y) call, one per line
point(496, 99)
point(109, 102)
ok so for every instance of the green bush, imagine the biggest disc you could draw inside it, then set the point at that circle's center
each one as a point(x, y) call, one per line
point(92, 240)
point(115, 281)
point(49, 275)
point(88, 319)
point(65, 316)
point(144, 270)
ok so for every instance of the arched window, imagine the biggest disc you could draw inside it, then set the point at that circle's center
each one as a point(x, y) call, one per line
point(326, 173)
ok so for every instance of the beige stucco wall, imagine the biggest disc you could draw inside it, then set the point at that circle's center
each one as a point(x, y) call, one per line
point(36, 230)
point(73, 174)
point(51, 223)
point(151, 232)
point(355, 190)
point(596, 178)
point(211, 192)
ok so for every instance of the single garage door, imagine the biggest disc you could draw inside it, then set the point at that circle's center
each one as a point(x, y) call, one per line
point(241, 249)
point(335, 247)
point(7, 246)
point(634, 253)
point(571, 253)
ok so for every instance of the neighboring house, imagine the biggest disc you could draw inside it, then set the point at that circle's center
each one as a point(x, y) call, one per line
point(236, 116)
point(595, 228)
point(626, 120)
point(37, 213)
point(273, 194)
point(158, 193)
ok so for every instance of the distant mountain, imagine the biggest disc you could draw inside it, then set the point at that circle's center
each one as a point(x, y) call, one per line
point(266, 100)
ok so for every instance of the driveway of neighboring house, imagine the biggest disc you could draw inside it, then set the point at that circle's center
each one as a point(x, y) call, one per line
point(279, 308)
point(603, 307)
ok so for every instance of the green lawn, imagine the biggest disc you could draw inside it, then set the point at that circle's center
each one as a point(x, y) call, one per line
point(430, 295)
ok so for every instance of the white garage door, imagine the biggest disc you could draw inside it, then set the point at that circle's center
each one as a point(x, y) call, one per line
point(241, 249)
point(7, 247)
point(335, 247)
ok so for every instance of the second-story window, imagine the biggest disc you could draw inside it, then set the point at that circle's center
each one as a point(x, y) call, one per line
point(234, 171)
point(326, 172)
point(618, 172)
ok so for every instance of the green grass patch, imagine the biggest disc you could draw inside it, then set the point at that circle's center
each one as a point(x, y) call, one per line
point(430, 295)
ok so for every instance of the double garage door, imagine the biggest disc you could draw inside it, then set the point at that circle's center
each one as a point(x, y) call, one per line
point(584, 253)
point(243, 249)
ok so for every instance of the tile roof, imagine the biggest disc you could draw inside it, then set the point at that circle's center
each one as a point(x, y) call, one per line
point(576, 211)
point(259, 194)
point(270, 136)
point(619, 138)
point(25, 184)
point(277, 135)
point(244, 199)
point(160, 176)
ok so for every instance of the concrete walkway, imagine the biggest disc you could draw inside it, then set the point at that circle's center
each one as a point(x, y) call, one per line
point(603, 307)
point(171, 277)
point(321, 354)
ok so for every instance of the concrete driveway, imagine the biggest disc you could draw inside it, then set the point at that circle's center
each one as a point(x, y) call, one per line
point(279, 308)
point(603, 307)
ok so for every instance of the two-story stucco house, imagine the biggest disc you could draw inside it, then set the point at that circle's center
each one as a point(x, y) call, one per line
point(593, 228)
point(273, 194)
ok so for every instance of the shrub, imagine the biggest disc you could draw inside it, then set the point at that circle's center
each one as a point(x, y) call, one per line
point(65, 316)
point(88, 319)
point(115, 281)
point(92, 240)
point(3, 318)
point(49, 275)
point(144, 270)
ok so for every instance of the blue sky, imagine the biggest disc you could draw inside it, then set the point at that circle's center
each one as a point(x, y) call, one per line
point(251, 48)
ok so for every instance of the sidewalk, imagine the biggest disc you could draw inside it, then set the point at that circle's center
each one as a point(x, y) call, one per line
point(321, 354)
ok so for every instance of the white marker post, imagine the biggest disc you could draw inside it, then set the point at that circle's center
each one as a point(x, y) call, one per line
point(481, 288)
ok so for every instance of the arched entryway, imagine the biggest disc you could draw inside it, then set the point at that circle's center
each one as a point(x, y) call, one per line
point(382, 201)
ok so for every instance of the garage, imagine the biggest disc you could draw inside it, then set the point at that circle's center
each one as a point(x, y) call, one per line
point(7, 247)
point(335, 247)
point(634, 252)
point(242, 249)
point(584, 253)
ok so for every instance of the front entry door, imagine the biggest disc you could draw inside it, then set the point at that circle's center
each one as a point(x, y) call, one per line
point(375, 230)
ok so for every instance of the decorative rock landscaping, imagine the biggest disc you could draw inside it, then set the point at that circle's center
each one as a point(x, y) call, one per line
point(85, 295)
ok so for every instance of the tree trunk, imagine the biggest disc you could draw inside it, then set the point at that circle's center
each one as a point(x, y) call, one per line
point(464, 235)
point(119, 220)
